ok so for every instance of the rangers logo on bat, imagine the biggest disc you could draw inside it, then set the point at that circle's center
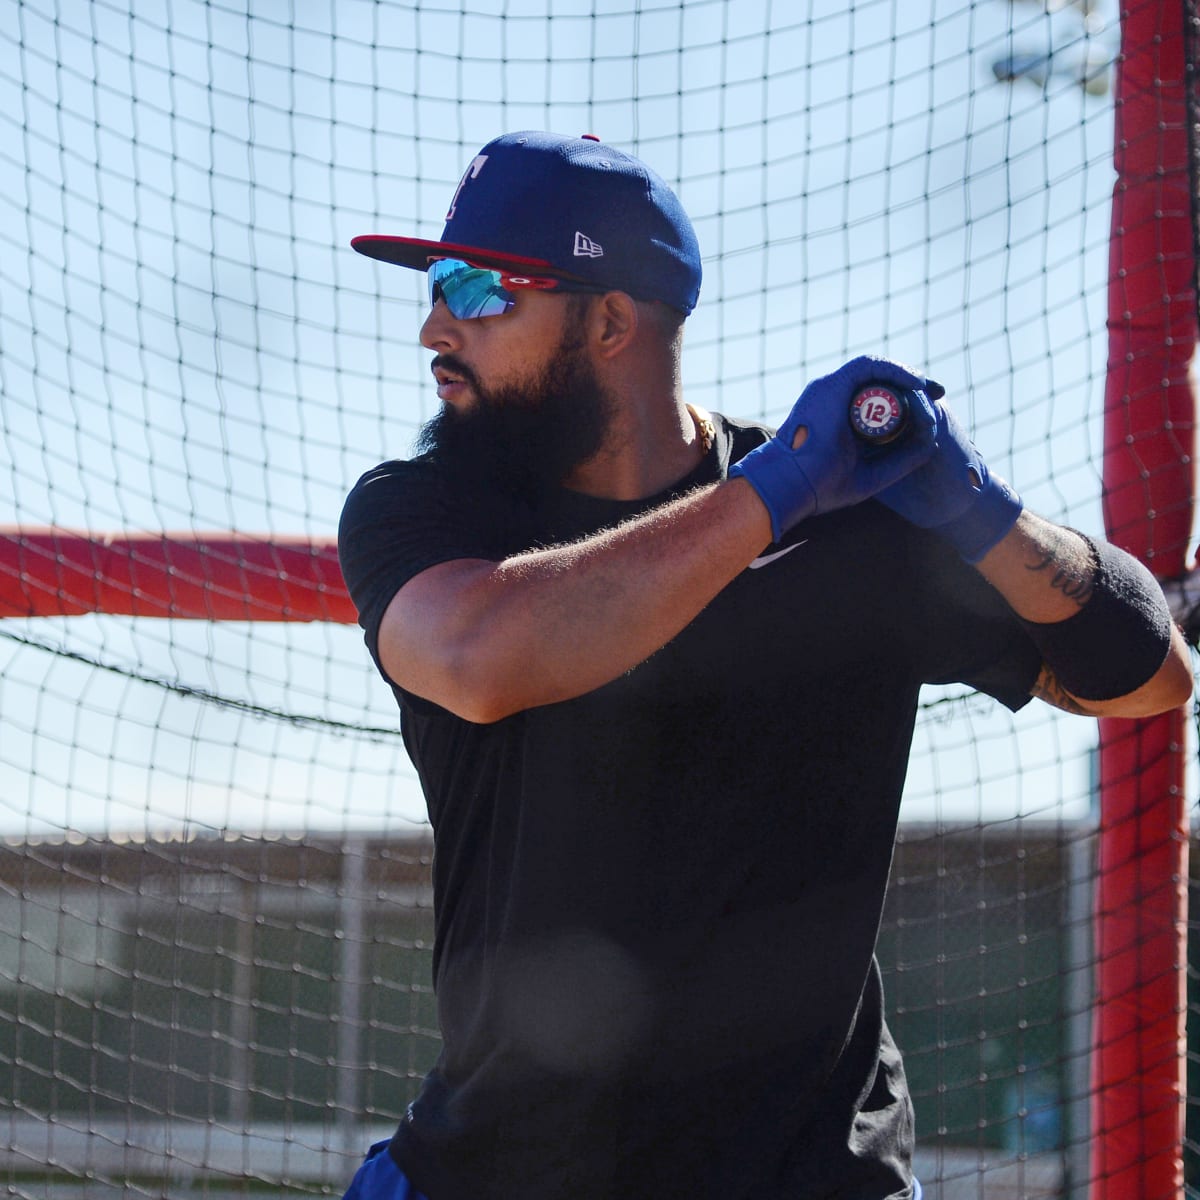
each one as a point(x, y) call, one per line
point(878, 414)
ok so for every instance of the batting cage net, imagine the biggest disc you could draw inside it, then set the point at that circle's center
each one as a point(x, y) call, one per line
point(215, 913)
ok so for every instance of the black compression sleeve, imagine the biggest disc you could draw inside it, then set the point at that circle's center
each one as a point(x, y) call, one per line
point(1120, 637)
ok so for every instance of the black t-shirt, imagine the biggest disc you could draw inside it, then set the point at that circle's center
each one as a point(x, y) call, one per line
point(656, 904)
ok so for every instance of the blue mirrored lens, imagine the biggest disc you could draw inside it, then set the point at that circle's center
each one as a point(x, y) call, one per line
point(468, 291)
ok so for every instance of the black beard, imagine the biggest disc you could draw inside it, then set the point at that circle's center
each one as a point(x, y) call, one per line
point(523, 439)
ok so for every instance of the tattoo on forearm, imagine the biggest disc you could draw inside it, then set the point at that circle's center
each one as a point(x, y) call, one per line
point(1070, 573)
point(1051, 691)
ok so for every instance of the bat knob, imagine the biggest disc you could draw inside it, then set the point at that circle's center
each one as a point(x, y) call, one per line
point(879, 414)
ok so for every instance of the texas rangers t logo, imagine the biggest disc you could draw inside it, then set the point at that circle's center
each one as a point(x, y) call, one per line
point(472, 172)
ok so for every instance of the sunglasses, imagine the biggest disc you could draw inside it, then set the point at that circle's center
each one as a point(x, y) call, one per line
point(471, 291)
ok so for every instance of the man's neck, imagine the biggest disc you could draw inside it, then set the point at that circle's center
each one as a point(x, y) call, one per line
point(643, 456)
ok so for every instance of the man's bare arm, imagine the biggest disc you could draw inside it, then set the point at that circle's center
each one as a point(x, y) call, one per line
point(1047, 574)
point(488, 639)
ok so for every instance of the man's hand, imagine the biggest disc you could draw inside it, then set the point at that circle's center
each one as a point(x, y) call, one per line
point(815, 463)
point(955, 495)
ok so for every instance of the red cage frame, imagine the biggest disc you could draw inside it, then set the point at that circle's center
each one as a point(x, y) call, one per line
point(1139, 1087)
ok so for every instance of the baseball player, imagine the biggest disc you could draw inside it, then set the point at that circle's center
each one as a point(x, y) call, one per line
point(658, 670)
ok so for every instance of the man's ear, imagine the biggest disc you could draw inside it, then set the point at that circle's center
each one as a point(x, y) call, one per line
point(612, 323)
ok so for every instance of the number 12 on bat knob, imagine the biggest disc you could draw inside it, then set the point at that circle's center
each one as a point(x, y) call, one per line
point(878, 414)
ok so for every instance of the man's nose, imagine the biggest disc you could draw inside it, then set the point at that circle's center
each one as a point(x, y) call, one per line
point(440, 330)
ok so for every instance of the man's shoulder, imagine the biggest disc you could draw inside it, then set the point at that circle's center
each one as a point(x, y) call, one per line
point(423, 467)
point(737, 436)
point(395, 495)
point(750, 428)
point(401, 481)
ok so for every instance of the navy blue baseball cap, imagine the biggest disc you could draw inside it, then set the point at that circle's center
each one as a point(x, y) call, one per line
point(568, 208)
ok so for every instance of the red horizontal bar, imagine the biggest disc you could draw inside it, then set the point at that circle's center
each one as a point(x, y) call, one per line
point(46, 571)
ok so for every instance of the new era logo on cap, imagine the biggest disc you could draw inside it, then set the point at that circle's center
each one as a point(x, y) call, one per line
point(586, 248)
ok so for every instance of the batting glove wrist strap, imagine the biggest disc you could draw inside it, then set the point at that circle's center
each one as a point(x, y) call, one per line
point(986, 522)
point(773, 471)
point(955, 495)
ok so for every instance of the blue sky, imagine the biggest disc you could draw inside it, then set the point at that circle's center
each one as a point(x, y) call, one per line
point(189, 343)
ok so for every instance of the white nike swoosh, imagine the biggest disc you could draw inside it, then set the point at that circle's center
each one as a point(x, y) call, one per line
point(764, 559)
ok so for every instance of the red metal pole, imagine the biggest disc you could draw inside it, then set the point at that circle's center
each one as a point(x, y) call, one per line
point(194, 576)
point(1141, 913)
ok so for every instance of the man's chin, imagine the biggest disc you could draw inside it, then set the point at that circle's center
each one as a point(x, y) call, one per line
point(524, 438)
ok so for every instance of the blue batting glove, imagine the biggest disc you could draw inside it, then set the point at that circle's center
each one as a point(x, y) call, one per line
point(955, 495)
point(833, 468)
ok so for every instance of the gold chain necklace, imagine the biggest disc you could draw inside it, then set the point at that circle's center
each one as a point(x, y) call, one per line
point(704, 427)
